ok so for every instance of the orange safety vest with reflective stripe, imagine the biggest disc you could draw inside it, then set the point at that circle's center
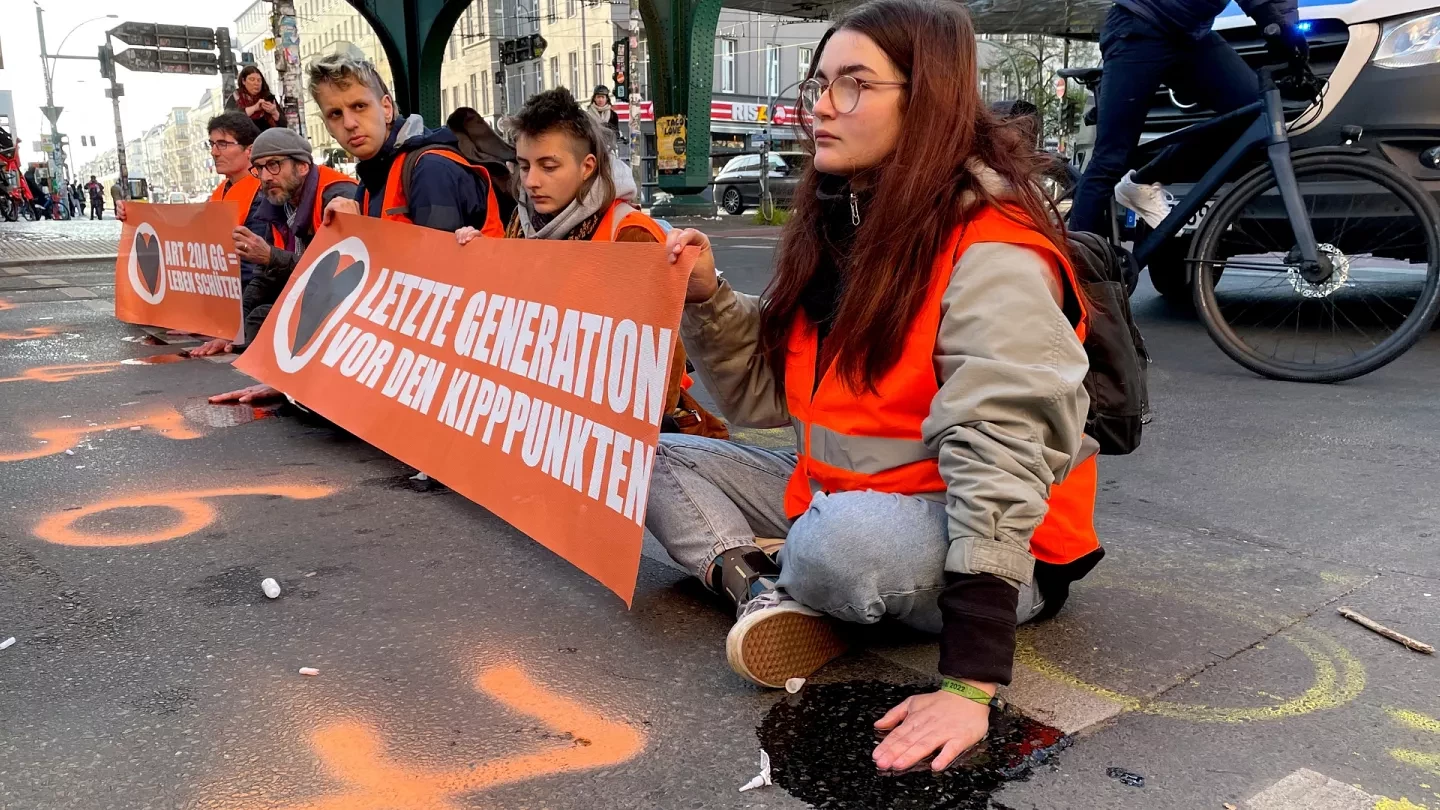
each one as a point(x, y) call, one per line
point(623, 215)
point(396, 208)
point(328, 176)
point(872, 439)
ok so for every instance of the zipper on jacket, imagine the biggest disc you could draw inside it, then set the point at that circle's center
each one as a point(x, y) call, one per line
point(854, 210)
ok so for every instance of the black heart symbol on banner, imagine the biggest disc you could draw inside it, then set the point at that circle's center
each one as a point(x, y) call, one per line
point(324, 291)
point(147, 255)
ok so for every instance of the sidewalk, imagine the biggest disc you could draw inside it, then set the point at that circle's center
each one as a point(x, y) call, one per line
point(35, 243)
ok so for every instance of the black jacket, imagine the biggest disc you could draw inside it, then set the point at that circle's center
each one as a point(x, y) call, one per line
point(1193, 18)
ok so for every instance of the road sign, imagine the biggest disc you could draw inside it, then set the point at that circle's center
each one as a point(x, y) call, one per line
point(115, 92)
point(165, 36)
point(1060, 87)
point(149, 60)
point(51, 114)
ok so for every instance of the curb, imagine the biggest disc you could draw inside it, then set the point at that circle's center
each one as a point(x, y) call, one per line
point(92, 257)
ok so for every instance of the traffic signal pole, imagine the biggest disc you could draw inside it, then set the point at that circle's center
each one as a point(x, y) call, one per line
point(107, 67)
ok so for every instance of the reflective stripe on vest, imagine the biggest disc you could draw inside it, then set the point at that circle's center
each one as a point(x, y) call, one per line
point(328, 177)
point(872, 440)
point(396, 208)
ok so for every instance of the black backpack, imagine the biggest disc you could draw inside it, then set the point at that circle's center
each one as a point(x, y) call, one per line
point(1116, 382)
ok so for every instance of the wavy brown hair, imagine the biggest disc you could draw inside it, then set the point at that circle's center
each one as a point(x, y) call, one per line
point(927, 187)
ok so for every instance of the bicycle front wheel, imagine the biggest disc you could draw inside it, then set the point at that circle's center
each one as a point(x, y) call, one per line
point(1378, 235)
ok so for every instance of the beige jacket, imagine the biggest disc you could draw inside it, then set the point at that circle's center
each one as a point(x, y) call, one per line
point(1007, 423)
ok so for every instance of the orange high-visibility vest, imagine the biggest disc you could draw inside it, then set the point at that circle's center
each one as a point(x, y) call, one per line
point(623, 215)
point(242, 191)
point(328, 176)
point(396, 208)
point(851, 440)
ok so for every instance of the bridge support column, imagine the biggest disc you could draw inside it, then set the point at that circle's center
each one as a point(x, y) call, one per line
point(681, 37)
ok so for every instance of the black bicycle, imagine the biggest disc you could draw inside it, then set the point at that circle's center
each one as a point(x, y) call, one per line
point(1315, 266)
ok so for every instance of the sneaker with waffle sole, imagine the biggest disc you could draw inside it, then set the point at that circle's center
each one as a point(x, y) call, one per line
point(1151, 201)
point(776, 638)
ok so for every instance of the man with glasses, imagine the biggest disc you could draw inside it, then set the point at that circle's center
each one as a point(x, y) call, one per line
point(298, 191)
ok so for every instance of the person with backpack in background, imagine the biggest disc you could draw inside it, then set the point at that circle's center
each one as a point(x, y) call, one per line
point(603, 111)
point(924, 335)
point(572, 189)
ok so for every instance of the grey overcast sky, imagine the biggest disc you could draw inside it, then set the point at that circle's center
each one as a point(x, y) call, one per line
point(78, 86)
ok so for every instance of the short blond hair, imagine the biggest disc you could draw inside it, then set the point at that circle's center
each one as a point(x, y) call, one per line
point(342, 71)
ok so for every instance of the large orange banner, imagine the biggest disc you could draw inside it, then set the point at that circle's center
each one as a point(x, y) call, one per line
point(177, 268)
point(529, 376)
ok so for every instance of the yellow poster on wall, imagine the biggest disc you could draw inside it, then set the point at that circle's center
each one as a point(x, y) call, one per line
point(670, 144)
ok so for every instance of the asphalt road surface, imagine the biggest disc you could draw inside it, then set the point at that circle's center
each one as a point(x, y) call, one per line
point(462, 665)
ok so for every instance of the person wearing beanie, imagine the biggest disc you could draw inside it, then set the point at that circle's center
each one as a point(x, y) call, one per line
point(603, 111)
point(298, 190)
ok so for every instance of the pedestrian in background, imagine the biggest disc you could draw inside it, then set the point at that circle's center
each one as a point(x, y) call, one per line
point(601, 108)
point(253, 97)
point(97, 197)
point(921, 334)
point(77, 199)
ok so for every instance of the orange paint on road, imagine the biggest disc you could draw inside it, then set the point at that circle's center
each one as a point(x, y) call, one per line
point(64, 373)
point(353, 753)
point(30, 333)
point(168, 423)
point(194, 514)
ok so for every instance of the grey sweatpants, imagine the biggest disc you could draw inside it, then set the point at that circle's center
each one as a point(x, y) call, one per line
point(857, 556)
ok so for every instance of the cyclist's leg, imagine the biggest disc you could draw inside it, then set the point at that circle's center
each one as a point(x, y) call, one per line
point(1213, 75)
point(1135, 57)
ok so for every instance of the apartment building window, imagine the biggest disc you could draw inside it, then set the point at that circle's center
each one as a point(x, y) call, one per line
point(772, 69)
point(539, 77)
point(474, 92)
point(597, 56)
point(806, 56)
point(574, 61)
point(470, 21)
point(555, 71)
point(550, 7)
point(727, 65)
point(485, 89)
point(569, 8)
point(453, 39)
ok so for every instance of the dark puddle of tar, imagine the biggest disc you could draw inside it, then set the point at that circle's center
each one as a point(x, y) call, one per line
point(820, 743)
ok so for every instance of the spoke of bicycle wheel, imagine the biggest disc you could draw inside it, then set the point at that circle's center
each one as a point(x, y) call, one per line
point(1347, 318)
point(1344, 223)
point(1382, 299)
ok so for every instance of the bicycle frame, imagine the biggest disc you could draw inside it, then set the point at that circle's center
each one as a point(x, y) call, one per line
point(1267, 125)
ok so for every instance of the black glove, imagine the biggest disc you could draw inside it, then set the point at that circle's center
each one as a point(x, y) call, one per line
point(1287, 44)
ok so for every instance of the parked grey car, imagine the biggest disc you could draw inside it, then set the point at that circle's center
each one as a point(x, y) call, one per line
point(737, 186)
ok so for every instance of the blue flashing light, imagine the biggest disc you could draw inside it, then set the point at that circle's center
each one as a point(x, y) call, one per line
point(1304, 26)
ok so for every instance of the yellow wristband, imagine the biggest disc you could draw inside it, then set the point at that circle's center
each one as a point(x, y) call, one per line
point(967, 691)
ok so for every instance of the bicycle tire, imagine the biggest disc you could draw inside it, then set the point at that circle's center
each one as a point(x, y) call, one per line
point(1228, 209)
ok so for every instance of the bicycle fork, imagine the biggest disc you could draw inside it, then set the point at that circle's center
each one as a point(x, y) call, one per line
point(1312, 268)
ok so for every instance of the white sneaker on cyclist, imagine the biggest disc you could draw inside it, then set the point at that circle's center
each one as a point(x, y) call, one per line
point(1152, 202)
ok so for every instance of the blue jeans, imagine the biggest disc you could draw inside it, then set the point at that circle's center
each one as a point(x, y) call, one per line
point(857, 556)
point(1137, 58)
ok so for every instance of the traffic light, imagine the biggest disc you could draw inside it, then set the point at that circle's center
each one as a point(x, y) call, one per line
point(621, 76)
point(107, 63)
point(537, 46)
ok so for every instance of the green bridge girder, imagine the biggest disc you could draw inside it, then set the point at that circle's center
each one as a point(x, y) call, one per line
point(681, 33)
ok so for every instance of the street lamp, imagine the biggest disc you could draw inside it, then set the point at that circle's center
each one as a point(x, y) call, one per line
point(47, 64)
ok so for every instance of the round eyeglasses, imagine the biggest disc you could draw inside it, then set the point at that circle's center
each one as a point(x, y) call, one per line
point(844, 92)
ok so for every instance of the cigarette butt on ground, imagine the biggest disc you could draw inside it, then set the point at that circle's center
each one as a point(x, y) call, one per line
point(1376, 627)
point(309, 671)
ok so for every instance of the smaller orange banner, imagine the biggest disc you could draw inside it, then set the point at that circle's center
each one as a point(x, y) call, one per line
point(178, 269)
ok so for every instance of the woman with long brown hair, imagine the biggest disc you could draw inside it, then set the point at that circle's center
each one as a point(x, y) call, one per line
point(923, 335)
point(252, 96)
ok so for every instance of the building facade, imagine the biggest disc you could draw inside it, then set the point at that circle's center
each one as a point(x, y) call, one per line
point(252, 28)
